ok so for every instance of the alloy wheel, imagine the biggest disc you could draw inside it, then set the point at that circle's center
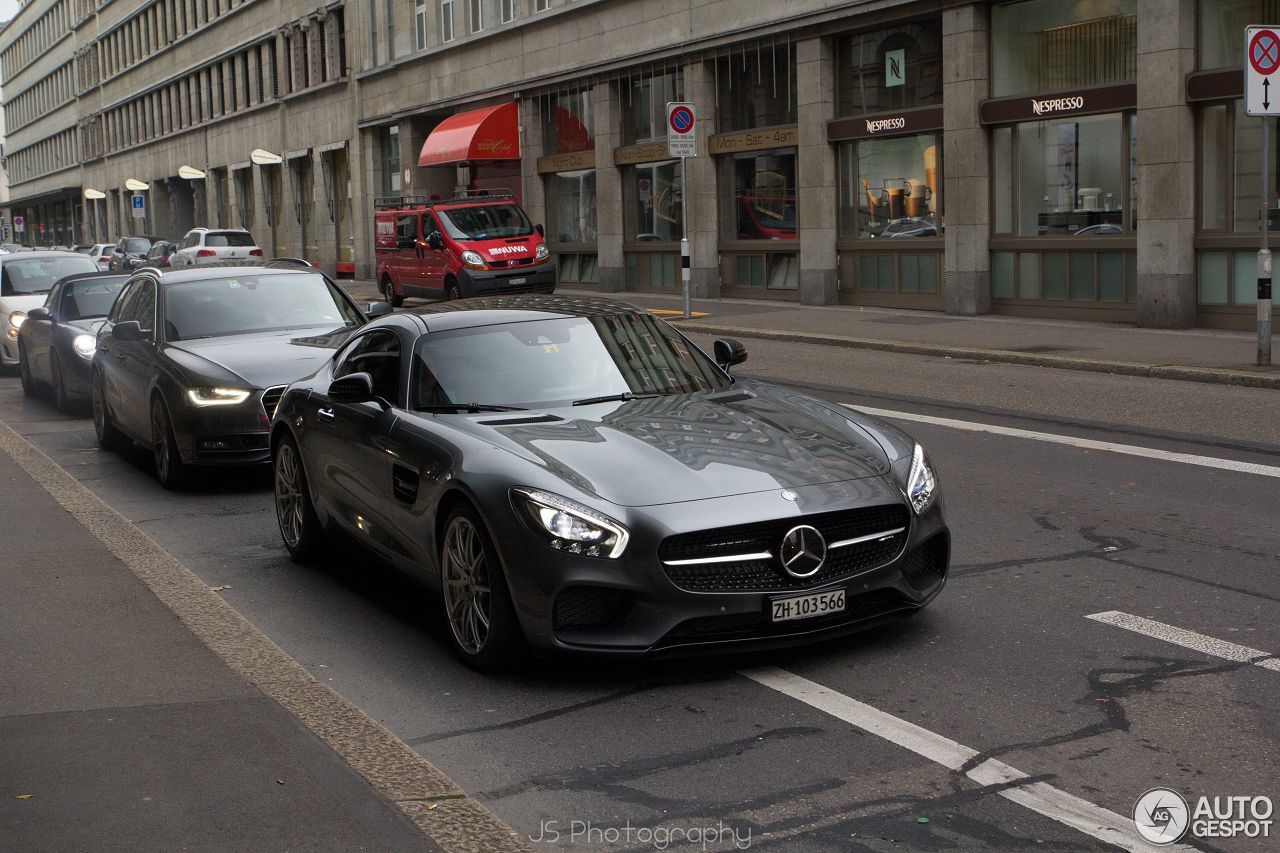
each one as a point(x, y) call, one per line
point(467, 595)
point(289, 506)
point(160, 441)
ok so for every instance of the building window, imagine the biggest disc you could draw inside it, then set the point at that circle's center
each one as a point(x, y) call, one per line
point(891, 187)
point(389, 149)
point(508, 11)
point(762, 202)
point(476, 15)
point(446, 20)
point(420, 27)
point(757, 87)
point(644, 108)
point(653, 208)
point(567, 123)
point(1230, 149)
point(891, 69)
point(571, 206)
point(541, 5)
point(1064, 178)
point(1049, 46)
point(1220, 33)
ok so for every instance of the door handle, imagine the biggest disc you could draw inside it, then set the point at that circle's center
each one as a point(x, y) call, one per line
point(324, 414)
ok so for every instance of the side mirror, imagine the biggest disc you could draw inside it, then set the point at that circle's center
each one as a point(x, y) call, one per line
point(129, 330)
point(729, 352)
point(378, 309)
point(352, 388)
point(541, 231)
point(39, 314)
point(435, 241)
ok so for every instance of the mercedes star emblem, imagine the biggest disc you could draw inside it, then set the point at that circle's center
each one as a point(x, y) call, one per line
point(803, 551)
point(788, 495)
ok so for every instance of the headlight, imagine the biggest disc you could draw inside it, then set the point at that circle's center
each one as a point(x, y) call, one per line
point(922, 483)
point(569, 526)
point(217, 396)
point(85, 345)
point(541, 253)
point(16, 319)
point(473, 260)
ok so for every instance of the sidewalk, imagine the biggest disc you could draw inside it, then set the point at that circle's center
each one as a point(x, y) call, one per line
point(121, 730)
point(1199, 355)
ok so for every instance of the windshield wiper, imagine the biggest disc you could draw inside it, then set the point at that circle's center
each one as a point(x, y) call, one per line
point(469, 408)
point(610, 398)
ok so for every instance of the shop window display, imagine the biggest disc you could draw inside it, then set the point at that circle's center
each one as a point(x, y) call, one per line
point(891, 188)
point(763, 203)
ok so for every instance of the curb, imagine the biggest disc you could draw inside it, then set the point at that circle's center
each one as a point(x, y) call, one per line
point(1211, 375)
point(440, 809)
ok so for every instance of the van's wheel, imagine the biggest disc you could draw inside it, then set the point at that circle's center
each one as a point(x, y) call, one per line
point(452, 290)
point(389, 292)
point(483, 630)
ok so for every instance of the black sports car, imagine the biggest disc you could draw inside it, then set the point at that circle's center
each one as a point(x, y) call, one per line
point(192, 362)
point(58, 340)
point(573, 473)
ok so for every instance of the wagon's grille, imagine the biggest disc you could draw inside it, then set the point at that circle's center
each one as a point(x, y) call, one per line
point(271, 399)
point(702, 561)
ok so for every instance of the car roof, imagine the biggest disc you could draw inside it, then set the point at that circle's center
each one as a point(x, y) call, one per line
point(225, 269)
point(84, 276)
point(45, 253)
point(517, 308)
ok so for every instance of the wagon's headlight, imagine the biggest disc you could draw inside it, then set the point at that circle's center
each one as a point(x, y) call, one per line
point(85, 345)
point(541, 253)
point(922, 483)
point(472, 260)
point(217, 396)
point(569, 526)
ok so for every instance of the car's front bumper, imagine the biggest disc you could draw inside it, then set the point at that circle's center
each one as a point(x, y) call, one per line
point(8, 351)
point(539, 278)
point(216, 435)
point(633, 605)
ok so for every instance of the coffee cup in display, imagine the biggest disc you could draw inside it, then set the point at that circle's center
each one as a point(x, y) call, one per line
point(895, 202)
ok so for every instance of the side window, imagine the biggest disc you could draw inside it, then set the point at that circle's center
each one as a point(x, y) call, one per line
point(54, 298)
point(124, 304)
point(144, 309)
point(430, 223)
point(406, 228)
point(377, 354)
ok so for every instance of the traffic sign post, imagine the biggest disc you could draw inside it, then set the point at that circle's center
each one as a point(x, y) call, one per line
point(682, 142)
point(19, 225)
point(139, 203)
point(1262, 64)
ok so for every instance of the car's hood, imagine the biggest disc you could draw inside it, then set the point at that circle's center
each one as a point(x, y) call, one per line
point(21, 302)
point(751, 437)
point(262, 359)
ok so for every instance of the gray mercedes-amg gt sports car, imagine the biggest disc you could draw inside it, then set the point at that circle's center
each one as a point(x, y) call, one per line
point(574, 474)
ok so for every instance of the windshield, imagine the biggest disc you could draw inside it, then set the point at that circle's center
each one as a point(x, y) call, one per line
point(90, 298)
point(251, 303)
point(549, 362)
point(228, 238)
point(485, 222)
point(38, 275)
point(136, 244)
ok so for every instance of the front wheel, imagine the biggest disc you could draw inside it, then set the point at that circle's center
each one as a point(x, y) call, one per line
point(483, 630)
point(452, 290)
point(109, 436)
point(60, 396)
point(29, 386)
point(299, 525)
point(389, 292)
point(170, 470)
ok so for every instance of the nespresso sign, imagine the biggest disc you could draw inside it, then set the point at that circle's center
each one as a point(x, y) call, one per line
point(921, 120)
point(1106, 99)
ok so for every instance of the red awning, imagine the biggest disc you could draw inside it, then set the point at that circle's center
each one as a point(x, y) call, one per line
point(489, 133)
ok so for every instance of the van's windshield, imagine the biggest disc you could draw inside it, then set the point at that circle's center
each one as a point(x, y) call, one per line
point(485, 222)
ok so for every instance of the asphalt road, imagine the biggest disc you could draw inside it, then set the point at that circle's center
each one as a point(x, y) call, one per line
point(1005, 663)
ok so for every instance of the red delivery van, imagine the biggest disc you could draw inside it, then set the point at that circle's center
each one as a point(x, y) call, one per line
point(477, 243)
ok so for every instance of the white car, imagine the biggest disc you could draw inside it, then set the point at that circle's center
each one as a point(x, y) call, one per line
point(206, 245)
point(25, 282)
point(101, 254)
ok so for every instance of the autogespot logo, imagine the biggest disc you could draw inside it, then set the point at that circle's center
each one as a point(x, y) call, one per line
point(1161, 816)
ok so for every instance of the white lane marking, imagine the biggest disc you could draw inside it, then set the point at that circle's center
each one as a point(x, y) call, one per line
point(1040, 797)
point(1082, 443)
point(1211, 646)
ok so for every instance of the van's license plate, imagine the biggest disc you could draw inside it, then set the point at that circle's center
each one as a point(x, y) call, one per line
point(516, 280)
point(807, 606)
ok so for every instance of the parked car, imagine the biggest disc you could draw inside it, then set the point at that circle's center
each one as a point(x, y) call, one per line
point(463, 246)
point(191, 363)
point(210, 245)
point(576, 475)
point(57, 341)
point(25, 283)
point(101, 254)
point(13, 247)
point(129, 253)
point(159, 253)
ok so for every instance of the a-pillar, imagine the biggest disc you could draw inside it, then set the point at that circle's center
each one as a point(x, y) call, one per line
point(607, 121)
point(1166, 165)
point(699, 209)
point(965, 161)
point(816, 172)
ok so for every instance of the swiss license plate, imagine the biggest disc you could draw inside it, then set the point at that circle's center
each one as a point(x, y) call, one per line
point(807, 606)
point(516, 280)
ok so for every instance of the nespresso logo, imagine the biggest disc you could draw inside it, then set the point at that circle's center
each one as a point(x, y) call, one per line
point(877, 125)
point(1057, 105)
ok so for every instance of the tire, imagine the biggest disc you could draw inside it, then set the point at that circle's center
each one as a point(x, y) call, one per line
point(171, 471)
point(29, 385)
point(452, 290)
point(60, 397)
point(389, 292)
point(109, 435)
point(300, 527)
point(473, 589)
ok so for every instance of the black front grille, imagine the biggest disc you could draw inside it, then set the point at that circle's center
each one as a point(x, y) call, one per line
point(736, 626)
point(581, 608)
point(766, 574)
point(271, 399)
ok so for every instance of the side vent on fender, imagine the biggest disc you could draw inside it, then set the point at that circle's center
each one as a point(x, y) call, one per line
point(404, 483)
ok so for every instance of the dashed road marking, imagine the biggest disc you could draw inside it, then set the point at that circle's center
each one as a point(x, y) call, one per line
point(1202, 643)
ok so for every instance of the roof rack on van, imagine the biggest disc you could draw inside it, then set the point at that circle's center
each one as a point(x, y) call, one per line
point(389, 202)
